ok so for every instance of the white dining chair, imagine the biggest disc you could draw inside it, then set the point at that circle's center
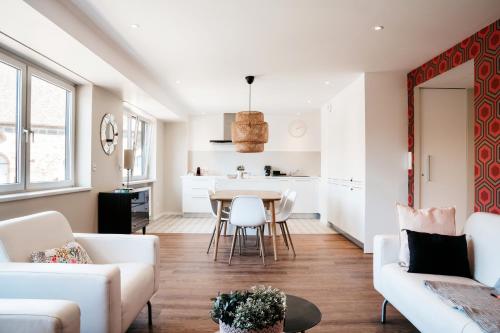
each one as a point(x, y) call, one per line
point(281, 203)
point(224, 218)
point(247, 211)
point(283, 216)
point(279, 207)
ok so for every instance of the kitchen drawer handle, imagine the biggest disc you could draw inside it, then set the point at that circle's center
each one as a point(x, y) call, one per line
point(199, 188)
point(199, 197)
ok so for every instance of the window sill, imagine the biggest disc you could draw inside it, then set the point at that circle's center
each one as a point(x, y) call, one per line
point(39, 194)
point(140, 181)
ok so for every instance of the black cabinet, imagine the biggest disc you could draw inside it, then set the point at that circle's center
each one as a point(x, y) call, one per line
point(123, 213)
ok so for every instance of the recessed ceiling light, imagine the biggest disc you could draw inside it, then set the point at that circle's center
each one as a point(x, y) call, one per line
point(309, 101)
point(378, 27)
point(327, 83)
point(178, 81)
point(135, 26)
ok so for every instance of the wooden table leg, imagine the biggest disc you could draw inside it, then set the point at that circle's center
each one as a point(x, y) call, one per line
point(273, 230)
point(217, 228)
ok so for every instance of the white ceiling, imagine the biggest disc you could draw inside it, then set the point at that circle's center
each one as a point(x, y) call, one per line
point(459, 77)
point(199, 51)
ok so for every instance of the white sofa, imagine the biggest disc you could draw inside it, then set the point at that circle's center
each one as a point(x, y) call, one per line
point(406, 291)
point(38, 316)
point(110, 293)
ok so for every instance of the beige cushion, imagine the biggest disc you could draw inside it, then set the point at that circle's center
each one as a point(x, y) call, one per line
point(430, 220)
point(21, 236)
point(137, 284)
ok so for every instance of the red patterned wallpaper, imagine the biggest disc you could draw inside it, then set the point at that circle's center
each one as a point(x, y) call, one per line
point(484, 48)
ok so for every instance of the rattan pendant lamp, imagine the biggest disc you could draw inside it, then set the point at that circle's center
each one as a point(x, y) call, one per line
point(249, 131)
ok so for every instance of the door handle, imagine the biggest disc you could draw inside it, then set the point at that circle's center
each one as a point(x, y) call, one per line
point(27, 134)
point(428, 168)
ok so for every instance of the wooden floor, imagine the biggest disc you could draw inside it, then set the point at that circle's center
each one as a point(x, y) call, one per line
point(328, 270)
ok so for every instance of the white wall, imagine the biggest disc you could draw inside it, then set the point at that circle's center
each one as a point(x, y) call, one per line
point(225, 162)
point(158, 172)
point(175, 149)
point(81, 208)
point(386, 152)
point(283, 151)
point(209, 127)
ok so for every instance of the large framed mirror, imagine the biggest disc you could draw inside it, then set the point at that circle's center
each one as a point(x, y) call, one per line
point(109, 133)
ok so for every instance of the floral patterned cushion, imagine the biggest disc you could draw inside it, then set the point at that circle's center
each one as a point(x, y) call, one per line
point(71, 253)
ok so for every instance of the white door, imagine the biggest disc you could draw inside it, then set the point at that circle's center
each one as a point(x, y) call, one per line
point(443, 160)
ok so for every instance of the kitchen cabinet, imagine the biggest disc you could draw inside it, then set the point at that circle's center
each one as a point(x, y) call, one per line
point(307, 195)
point(195, 194)
point(195, 190)
point(344, 165)
point(346, 200)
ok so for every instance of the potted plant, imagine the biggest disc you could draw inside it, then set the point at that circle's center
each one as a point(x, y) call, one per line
point(240, 169)
point(258, 310)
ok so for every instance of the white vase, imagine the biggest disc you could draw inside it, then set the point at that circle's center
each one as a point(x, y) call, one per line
point(276, 328)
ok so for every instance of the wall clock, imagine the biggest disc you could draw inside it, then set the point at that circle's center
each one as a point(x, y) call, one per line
point(109, 133)
point(297, 128)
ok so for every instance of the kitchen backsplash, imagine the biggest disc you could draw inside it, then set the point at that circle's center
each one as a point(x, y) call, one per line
point(218, 163)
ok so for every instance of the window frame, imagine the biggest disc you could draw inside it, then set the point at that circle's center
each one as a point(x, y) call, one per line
point(19, 185)
point(147, 138)
point(69, 130)
point(27, 70)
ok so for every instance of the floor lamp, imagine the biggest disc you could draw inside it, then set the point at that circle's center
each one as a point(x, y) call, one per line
point(128, 163)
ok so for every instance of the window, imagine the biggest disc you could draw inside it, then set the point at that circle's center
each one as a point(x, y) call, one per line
point(137, 136)
point(36, 128)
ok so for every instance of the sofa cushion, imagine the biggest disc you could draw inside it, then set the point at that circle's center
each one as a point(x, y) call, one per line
point(438, 254)
point(419, 304)
point(70, 253)
point(137, 287)
point(431, 220)
point(21, 236)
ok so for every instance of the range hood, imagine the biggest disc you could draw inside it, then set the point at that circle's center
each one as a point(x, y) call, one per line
point(226, 134)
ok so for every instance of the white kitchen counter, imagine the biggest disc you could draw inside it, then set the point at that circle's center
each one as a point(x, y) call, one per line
point(252, 177)
point(195, 190)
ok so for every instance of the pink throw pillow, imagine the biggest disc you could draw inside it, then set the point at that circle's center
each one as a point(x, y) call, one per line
point(430, 220)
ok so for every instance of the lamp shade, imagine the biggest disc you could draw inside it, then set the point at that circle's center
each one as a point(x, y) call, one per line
point(249, 132)
point(128, 159)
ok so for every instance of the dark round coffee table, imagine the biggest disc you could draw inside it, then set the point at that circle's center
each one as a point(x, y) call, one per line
point(301, 315)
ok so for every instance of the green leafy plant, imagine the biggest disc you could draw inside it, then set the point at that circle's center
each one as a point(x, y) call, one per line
point(257, 308)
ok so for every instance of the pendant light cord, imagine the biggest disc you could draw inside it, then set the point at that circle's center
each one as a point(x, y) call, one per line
point(249, 97)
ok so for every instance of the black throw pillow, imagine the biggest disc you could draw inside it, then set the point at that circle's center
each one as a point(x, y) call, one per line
point(438, 254)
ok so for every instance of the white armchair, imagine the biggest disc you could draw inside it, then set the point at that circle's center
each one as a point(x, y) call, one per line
point(110, 293)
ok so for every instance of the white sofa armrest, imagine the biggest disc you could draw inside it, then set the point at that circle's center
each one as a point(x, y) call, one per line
point(39, 315)
point(115, 248)
point(95, 288)
point(385, 251)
